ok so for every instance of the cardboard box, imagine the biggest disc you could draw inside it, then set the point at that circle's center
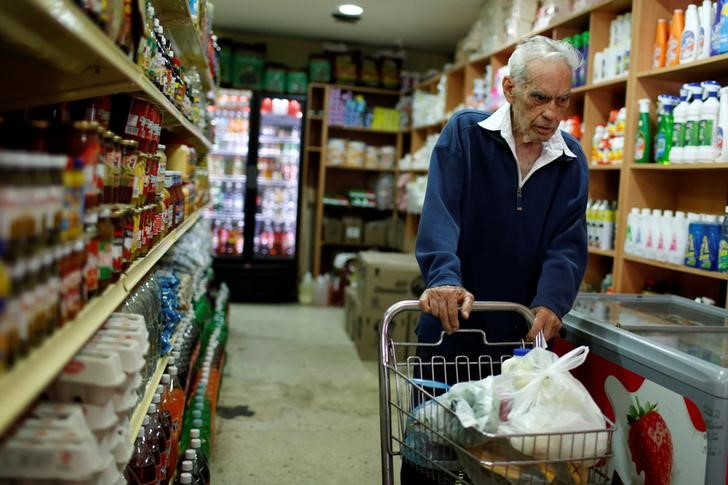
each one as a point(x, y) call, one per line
point(386, 278)
point(352, 229)
point(352, 309)
point(375, 233)
point(367, 339)
point(333, 230)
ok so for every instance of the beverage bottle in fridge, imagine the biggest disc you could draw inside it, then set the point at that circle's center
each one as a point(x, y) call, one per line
point(158, 446)
point(142, 469)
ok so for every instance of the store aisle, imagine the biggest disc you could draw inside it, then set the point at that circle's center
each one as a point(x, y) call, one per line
point(297, 405)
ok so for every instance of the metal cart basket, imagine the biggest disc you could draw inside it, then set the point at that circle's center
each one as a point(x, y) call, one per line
point(428, 436)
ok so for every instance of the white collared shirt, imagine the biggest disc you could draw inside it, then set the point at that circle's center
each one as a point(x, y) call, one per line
point(552, 149)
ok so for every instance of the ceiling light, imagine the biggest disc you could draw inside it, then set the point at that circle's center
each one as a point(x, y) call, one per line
point(351, 10)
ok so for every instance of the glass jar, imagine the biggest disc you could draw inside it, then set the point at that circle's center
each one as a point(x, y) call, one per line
point(116, 169)
point(128, 166)
point(107, 160)
point(105, 232)
point(117, 245)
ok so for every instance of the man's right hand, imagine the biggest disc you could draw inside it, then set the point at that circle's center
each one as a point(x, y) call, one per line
point(443, 302)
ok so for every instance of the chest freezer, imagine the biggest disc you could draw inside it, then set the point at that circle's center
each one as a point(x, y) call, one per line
point(667, 357)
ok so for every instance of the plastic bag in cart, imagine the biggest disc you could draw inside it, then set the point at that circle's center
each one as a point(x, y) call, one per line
point(474, 406)
point(545, 398)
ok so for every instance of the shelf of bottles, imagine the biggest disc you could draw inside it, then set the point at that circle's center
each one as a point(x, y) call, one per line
point(279, 156)
point(227, 162)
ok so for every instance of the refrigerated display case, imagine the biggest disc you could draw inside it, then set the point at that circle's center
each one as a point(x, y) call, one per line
point(658, 368)
point(255, 186)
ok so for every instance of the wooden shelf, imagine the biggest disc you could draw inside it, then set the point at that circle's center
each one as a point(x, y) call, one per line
point(361, 129)
point(608, 85)
point(176, 16)
point(27, 379)
point(425, 85)
point(698, 70)
point(676, 267)
point(56, 53)
point(314, 149)
point(359, 169)
point(359, 89)
point(137, 419)
point(680, 166)
point(601, 252)
point(315, 117)
point(605, 167)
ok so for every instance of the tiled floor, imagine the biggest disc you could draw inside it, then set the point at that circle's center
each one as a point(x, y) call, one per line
point(297, 405)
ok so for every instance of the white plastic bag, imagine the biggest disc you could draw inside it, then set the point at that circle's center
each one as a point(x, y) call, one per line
point(546, 398)
point(475, 406)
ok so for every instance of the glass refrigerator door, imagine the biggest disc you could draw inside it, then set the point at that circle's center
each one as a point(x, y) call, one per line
point(279, 157)
point(226, 164)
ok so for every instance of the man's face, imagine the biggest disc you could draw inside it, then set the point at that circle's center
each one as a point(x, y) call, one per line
point(539, 104)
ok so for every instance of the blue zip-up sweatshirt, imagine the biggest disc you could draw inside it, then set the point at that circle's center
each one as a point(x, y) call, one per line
point(479, 231)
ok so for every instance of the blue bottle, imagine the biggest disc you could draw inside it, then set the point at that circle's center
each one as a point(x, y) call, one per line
point(708, 255)
point(719, 35)
point(696, 230)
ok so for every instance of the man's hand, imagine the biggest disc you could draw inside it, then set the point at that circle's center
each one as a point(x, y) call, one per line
point(545, 320)
point(443, 302)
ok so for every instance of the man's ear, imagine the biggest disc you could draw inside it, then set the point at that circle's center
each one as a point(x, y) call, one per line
point(508, 88)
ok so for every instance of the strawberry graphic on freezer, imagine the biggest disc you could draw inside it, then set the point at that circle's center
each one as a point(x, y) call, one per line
point(656, 441)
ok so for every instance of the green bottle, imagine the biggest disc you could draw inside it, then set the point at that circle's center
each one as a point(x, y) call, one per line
point(644, 138)
point(663, 137)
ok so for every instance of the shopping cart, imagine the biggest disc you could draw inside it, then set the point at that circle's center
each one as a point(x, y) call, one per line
point(426, 434)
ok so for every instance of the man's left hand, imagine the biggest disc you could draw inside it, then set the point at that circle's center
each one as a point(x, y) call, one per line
point(545, 320)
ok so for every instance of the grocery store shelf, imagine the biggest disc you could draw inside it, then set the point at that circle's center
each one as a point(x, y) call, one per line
point(226, 178)
point(314, 149)
point(601, 252)
point(608, 85)
point(425, 85)
point(605, 167)
point(264, 182)
point(55, 40)
point(316, 117)
point(27, 379)
point(275, 139)
point(279, 120)
point(677, 267)
point(175, 16)
point(360, 169)
point(227, 153)
point(680, 166)
point(222, 214)
point(362, 129)
point(692, 71)
point(360, 89)
point(137, 419)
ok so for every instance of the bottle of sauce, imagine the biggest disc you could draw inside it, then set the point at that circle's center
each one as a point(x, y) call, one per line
point(78, 263)
point(105, 232)
point(117, 247)
point(128, 166)
point(91, 268)
point(107, 160)
point(116, 169)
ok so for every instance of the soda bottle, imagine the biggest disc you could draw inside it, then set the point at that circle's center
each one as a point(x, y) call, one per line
point(187, 467)
point(195, 433)
point(155, 435)
point(165, 421)
point(184, 478)
point(200, 459)
point(142, 469)
point(173, 401)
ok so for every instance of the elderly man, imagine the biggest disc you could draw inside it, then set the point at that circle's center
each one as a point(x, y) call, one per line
point(504, 213)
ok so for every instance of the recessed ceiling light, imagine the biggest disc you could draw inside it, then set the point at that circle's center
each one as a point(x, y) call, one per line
point(350, 9)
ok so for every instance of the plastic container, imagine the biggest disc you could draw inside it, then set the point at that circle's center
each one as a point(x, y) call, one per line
point(692, 124)
point(689, 37)
point(719, 36)
point(644, 138)
point(632, 222)
point(673, 42)
point(696, 230)
point(679, 126)
point(664, 236)
point(660, 50)
point(706, 26)
point(663, 135)
point(723, 245)
point(709, 111)
point(719, 140)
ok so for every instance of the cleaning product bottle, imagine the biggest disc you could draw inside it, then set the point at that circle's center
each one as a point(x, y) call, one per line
point(673, 41)
point(607, 236)
point(723, 244)
point(689, 37)
point(706, 26)
point(643, 143)
point(692, 124)
point(305, 289)
point(719, 139)
point(719, 36)
point(679, 126)
point(660, 50)
point(584, 49)
point(664, 236)
point(631, 233)
point(695, 237)
point(708, 121)
point(643, 230)
point(596, 139)
point(663, 137)
point(653, 234)
point(708, 254)
point(678, 238)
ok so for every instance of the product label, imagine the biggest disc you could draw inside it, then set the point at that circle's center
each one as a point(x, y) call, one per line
point(678, 134)
point(690, 259)
point(723, 256)
point(91, 271)
point(660, 147)
point(692, 133)
point(687, 45)
point(639, 149)
point(706, 132)
point(701, 40)
point(106, 260)
point(704, 261)
point(672, 51)
point(718, 140)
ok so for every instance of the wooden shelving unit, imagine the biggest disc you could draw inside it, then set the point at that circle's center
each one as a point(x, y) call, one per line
point(55, 53)
point(696, 187)
point(322, 178)
point(27, 379)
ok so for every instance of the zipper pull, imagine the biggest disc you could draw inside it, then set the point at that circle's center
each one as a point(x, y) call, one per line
point(519, 200)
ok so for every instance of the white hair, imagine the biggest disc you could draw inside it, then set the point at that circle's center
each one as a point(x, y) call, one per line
point(540, 47)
